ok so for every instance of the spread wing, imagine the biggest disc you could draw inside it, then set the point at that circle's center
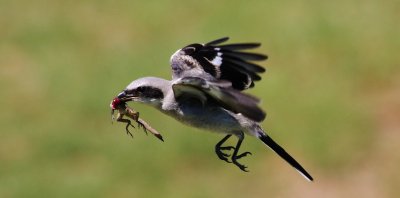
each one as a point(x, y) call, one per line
point(215, 62)
point(223, 94)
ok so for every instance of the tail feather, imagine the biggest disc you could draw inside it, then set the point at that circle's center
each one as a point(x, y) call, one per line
point(281, 152)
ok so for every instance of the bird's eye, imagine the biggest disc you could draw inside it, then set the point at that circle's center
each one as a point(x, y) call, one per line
point(148, 92)
point(140, 89)
point(121, 95)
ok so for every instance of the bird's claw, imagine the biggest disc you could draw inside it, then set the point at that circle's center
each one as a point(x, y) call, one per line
point(235, 156)
point(241, 166)
point(221, 155)
point(243, 155)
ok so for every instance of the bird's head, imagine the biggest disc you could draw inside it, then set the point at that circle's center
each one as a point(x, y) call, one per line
point(148, 90)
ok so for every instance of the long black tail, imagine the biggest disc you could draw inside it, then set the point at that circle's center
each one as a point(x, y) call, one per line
point(281, 152)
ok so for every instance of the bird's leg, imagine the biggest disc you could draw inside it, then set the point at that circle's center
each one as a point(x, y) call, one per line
point(127, 121)
point(219, 148)
point(236, 156)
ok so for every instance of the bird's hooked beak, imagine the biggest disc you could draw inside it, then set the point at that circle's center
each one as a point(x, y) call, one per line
point(125, 97)
point(121, 95)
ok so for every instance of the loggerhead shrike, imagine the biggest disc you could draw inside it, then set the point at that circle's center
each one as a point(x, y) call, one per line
point(206, 92)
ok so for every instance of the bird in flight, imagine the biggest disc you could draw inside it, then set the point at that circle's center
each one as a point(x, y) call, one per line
point(206, 92)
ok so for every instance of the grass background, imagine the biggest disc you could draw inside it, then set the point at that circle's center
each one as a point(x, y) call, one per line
point(332, 92)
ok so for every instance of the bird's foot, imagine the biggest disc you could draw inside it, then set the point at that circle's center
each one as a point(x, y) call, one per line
point(241, 166)
point(222, 155)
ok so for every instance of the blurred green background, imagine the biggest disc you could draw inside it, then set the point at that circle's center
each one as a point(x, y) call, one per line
point(332, 93)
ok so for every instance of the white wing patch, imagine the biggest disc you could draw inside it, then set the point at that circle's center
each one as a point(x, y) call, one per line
point(217, 61)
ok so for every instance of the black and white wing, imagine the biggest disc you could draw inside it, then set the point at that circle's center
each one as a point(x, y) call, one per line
point(215, 62)
point(223, 94)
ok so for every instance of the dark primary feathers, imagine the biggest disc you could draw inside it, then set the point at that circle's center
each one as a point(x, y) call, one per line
point(222, 62)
